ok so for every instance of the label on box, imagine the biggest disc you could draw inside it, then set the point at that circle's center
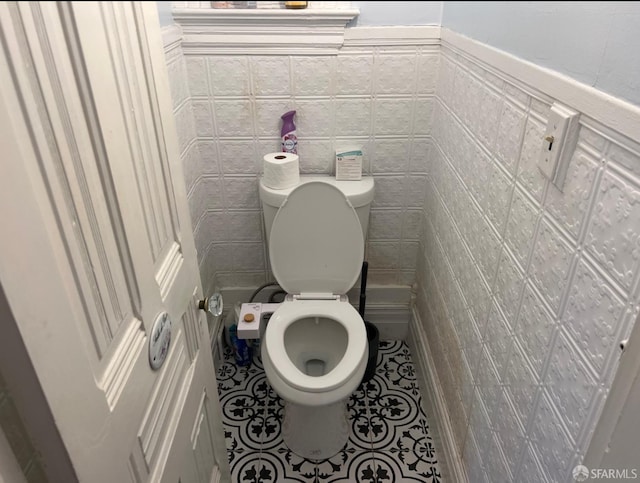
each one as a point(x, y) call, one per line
point(349, 165)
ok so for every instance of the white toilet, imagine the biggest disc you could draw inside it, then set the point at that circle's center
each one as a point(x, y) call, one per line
point(314, 349)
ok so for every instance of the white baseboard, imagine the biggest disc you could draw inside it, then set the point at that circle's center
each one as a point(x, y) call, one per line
point(391, 321)
point(433, 398)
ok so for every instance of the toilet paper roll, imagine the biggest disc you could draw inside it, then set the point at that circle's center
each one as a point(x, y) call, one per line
point(281, 170)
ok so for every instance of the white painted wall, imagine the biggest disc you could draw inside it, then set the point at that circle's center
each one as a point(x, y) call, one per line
point(164, 13)
point(398, 13)
point(371, 13)
point(593, 42)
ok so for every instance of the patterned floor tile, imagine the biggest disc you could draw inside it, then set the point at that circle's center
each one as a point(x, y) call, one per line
point(393, 349)
point(246, 434)
point(232, 377)
point(282, 465)
point(246, 468)
point(404, 468)
point(252, 393)
point(348, 463)
point(273, 427)
point(360, 433)
point(388, 441)
point(380, 391)
point(359, 466)
point(389, 422)
point(359, 397)
point(394, 370)
point(272, 398)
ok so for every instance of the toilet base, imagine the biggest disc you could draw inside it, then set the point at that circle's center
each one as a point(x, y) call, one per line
point(315, 432)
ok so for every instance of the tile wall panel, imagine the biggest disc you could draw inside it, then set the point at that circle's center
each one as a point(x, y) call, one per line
point(230, 106)
point(548, 281)
point(525, 290)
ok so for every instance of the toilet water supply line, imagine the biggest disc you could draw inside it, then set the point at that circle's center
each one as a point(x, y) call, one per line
point(262, 287)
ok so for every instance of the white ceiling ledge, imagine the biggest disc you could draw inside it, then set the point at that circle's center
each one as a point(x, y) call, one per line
point(263, 32)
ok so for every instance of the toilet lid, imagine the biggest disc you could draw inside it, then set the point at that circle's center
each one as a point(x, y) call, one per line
point(316, 243)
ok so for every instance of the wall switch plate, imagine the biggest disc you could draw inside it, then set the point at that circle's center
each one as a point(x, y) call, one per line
point(558, 143)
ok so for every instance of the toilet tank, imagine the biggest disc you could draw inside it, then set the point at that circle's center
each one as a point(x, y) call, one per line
point(359, 194)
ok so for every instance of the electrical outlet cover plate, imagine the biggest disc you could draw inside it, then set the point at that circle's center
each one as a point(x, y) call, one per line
point(558, 143)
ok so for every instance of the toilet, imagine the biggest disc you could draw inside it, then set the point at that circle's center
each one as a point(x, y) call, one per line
point(314, 348)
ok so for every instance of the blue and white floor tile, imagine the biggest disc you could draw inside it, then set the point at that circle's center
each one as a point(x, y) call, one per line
point(389, 440)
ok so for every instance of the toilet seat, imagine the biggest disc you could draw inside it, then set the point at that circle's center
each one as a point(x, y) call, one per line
point(292, 311)
point(316, 248)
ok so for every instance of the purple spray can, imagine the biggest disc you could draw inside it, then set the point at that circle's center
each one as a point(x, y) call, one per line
point(288, 133)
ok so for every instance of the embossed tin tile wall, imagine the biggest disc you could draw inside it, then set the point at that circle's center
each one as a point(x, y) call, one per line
point(524, 290)
point(376, 97)
point(192, 152)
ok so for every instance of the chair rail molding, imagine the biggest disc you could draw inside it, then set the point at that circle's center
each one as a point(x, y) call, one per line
point(392, 36)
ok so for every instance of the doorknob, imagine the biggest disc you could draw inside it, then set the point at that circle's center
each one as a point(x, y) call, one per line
point(212, 304)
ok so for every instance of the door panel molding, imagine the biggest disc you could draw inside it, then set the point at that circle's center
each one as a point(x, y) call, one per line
point(165, 404)
point(202, 442)
point(133, 105)
point(190, 321)
point(121, 365)
point(169, 270)
point(66, 156)
point(86, 122)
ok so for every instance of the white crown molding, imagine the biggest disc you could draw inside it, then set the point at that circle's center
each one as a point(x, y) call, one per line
point(611, 111)
point(434, 399)
point(263, 32)
point(392, 36)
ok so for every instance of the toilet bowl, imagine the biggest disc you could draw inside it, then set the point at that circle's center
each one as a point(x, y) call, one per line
point(314, 349)
point(314, 356)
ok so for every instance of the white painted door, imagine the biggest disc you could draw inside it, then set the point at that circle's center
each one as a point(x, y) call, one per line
point(96, 241)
